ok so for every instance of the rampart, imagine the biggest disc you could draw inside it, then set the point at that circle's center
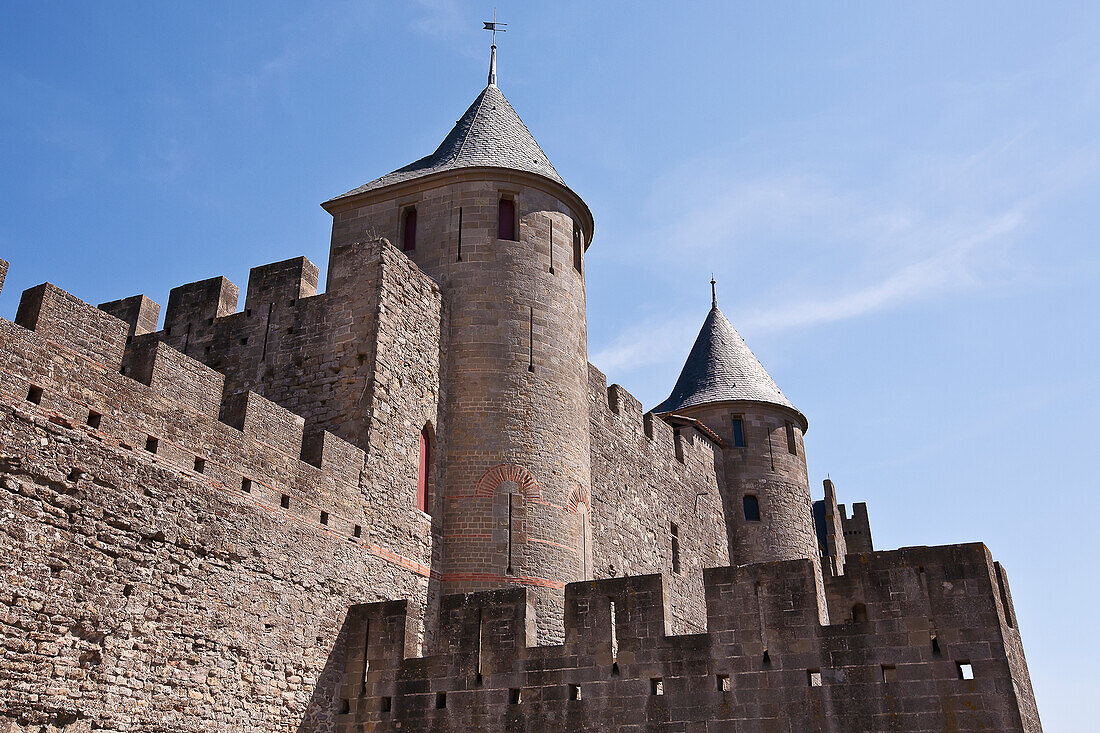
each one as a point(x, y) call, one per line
point(178, 555)
point(653, 486)
point(925, 621)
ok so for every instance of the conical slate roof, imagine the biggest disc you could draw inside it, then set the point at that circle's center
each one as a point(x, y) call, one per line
point(720, 368)
point(489, 134)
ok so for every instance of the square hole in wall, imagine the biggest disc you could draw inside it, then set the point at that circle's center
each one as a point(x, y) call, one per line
point(94, 419)
point(34, 395)
point(284, 502)
point(246, 485)
point(200, 464)
point(656, 686)
point(813, 677)
point(440, 700)
point(357, 532)
point(574, 692)
point(965, 670)
point(514, 696)
point(385, 704)
point(151, 444)
point(244, 341)
point(324, 517)
point(724, 684)
point(889, 673)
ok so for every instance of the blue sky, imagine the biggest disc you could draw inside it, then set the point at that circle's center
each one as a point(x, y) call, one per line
point(899, 203)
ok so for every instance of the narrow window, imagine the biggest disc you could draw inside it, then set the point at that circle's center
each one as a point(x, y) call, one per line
point(324, 517)
point(246, 485)
point(792, 446)
point(752, 508)
point(200, 464)
point(678, 444)
point(506, 219)
point(936, 646)
point(285, 502)
point(813, 677)
point(408, 229)
point(578, 247)
point(574, 692)
point(656, 686)
point(94, 419)
point(34, 395)
point(357, 532)
point(366, 660)
point(614, 634)
point(509, 570)
point(514, 696)
point(151, 444)
point(386, 704)
point(965, 669)
point(582, 511)
point(724, 683)
point(675, 532)
point(440, 700)
point(422, 476)
point(738, 433)
point(859, 613)
point(889, 673)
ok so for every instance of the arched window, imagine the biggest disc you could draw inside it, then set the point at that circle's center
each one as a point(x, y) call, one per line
point(752, 508)
point(423, 500)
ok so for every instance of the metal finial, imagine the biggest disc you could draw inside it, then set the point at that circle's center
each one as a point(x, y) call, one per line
point(494, 26)
point(713, 292)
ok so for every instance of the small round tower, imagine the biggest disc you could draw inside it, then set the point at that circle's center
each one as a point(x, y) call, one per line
point(489, 218)
point(766, 492)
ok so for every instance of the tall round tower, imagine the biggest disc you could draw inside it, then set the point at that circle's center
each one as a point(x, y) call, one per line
point(489, 218)
point(766, 491)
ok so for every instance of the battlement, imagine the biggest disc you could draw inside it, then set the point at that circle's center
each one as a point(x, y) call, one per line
point(923, 614)
point(71, 362)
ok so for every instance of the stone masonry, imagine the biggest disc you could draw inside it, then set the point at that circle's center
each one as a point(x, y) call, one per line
point(410, 503)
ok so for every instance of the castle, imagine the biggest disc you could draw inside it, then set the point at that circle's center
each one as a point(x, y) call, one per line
point(410, 503)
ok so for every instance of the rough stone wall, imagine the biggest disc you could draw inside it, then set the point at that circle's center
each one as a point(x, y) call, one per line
point(515, 449)
point(765, 661)
point(640, 488)
point(857, 528)
point(763, 468)
point(165, 569)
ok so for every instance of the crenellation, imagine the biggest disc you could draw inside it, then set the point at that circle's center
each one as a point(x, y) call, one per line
point(280, 283)
point(138, 311)
point(72, 323)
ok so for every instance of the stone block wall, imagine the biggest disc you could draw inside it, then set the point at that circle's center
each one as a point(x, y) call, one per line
point(932, 616)
point(644, 486)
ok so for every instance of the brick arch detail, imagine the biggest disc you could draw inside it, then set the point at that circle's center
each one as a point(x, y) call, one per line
point(579, 495)
point(494, 477)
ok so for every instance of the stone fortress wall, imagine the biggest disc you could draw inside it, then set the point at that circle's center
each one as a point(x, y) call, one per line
point(910, 626)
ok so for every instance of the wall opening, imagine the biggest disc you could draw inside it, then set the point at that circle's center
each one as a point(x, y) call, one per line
point(440, 700)
point(738, 432)
point(385, 705)
point(514, 696)
point(574, 692)
point(578, 247)
point(408, 229)
point(889, 673)
point(424, 481)
point(34, 395)
point(656, 686)
point(200, 465)
point(94, 419)
point(936, 646)
point(813, 677)
point(246, 485)
point(357, 531)
point(674, 531)
point(678, 444)
point(859, 613)
point(724, 683)
point(792, 445)
point(751, 506)
point(965, 670)
point(582, 513)
point(324, 517)
point(151, 444)
point(284, 502)
point(506, 218)
point(614, 634)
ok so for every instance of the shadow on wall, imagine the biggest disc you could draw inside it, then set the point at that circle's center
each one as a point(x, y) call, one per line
point(321, 712)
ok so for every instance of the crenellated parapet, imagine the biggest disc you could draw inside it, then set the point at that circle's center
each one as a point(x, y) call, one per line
point(656, 506)
point(927, 651)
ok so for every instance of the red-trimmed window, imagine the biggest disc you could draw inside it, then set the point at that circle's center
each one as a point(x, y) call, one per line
point(422, 475)
point(506, 219)
point(408, 230)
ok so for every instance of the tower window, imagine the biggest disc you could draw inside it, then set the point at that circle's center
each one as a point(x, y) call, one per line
point(965, 670)
point(738, 433)
point(506, 219)
point(751, 506)
point(34, 395)
point(422, 498)
point(792, 446)
point(675, 532)
point(578, 247)
point(859, 613)
point(408, 229)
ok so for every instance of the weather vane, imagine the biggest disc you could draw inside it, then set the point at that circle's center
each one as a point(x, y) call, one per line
point(494, 26)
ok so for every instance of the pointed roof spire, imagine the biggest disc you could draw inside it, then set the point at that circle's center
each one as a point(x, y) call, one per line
point(713, 292)
point(494, 26)
point(722, 368)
